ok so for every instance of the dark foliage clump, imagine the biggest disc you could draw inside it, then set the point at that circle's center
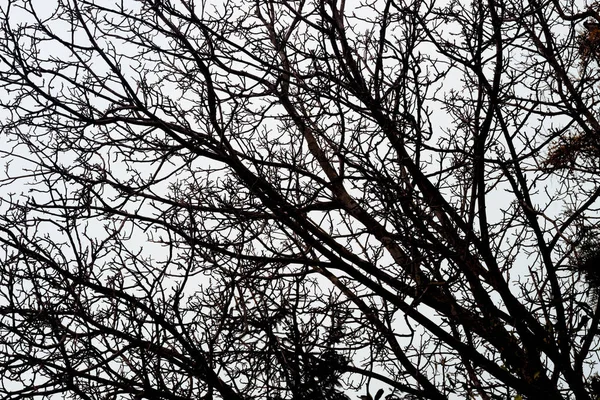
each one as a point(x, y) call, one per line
point(589, 42)
point(594, 385)
point(564, 153)
point(322, 376)
point(586, 259)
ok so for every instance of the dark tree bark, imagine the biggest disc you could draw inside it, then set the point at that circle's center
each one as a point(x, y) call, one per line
point(299, 199)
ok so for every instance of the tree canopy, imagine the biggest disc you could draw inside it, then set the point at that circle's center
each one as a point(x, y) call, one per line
point(304, 199)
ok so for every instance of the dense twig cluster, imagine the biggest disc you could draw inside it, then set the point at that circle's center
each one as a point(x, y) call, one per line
point(298, 199)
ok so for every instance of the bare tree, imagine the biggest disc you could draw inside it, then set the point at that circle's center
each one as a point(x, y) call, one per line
point(299, 199)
